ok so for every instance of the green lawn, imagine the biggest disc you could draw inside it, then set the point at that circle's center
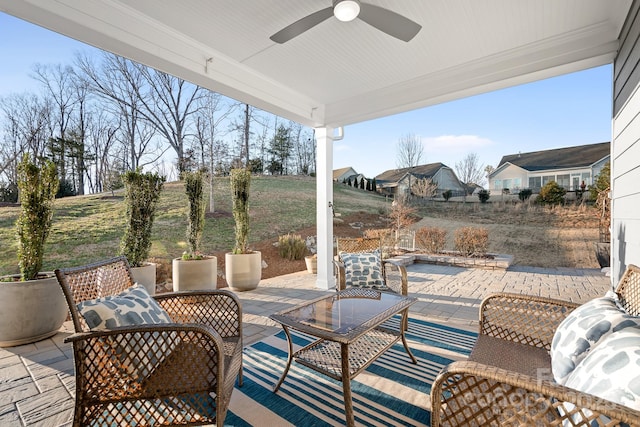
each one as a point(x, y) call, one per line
point(89, 228)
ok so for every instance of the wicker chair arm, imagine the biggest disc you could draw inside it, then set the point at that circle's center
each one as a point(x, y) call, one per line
point(219, 310)
point(146, 361)
point(524, 319)
point(340, 275)
point(396, 277)
point(470, 394)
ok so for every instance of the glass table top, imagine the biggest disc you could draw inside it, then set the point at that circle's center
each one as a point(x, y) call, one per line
point(346, 310)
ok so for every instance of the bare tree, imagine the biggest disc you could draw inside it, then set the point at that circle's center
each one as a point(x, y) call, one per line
point(304, 149)
point(169, 106)
point(58, 82)
point(401, 214)
point(424, 187)
point(210, 115)
point(243, 125)
point(100, 136)
point(470, 171)
point(262, 141)
point(120, 82)
point(410, 151)
point(488, 170)
point(27, 118)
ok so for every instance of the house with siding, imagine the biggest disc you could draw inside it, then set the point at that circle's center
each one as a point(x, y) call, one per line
point(399, 181)
point(571, 167)
point(343, 174)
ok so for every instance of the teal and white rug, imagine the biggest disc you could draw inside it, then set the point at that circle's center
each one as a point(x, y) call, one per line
point(391, 392)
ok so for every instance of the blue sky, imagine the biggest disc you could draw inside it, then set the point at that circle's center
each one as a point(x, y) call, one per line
point(569, 110)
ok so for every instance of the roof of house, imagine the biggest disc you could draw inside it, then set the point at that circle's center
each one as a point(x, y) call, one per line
point(337, 173)
point(559, 158)
point(421, 171)
point(471, 187)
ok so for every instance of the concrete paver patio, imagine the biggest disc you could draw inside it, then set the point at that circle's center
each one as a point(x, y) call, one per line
point(37, 382)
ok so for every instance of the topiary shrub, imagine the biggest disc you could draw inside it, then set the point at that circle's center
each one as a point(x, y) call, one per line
point(37, 189)
point(292, 247)
point(472, 241)
point(551, 194)
point(142, 192)
point(195, 194)
point(524, 194)
point(431, 239)
point(446, 195)
point(240, 184)
point(483, 195)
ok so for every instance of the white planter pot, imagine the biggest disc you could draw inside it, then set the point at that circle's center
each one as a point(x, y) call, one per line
point(312, 264)
point(146, 276)
point(243, 271)
point(201, 274)
point(31, 311)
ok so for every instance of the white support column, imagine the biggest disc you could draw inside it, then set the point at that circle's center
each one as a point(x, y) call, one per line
point(324, 211)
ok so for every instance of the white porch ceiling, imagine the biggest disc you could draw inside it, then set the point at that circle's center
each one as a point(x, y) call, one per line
point(342, 73)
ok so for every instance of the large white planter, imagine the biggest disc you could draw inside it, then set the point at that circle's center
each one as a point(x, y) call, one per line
point(201, 274)
point(243, 271)
point(31, 311)
point(311, 263)
point(146, 276)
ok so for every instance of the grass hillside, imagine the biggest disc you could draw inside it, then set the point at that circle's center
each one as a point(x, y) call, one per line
point(89, 228)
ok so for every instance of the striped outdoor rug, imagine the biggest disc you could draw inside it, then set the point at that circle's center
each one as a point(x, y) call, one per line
point(391, 392)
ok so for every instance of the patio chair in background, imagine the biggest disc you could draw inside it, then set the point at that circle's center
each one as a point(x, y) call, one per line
point(165, 360)
point(360, 263)
point(510, 377)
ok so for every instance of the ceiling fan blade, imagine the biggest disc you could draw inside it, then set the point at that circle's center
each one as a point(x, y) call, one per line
point(302, 25)
point(389, 22)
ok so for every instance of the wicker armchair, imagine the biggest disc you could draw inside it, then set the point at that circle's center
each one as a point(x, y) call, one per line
point(394, 275)
point(153, 374)
point(507, 379)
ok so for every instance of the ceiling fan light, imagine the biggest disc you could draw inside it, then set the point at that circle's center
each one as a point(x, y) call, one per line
point(346, 10)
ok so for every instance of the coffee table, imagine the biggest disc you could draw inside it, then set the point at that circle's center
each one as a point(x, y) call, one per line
point(350, 331)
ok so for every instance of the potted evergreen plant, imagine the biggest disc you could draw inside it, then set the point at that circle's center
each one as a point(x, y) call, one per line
point(195, 270)
point(243, 267)
point(142, 192)
point(32, 305)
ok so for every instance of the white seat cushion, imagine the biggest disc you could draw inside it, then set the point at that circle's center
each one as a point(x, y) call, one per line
point(582, 330)
point(610, 371)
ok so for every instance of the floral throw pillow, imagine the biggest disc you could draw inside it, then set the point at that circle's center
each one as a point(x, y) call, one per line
point(363, 269)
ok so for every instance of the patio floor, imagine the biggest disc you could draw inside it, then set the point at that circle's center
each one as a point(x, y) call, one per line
point(36, 380)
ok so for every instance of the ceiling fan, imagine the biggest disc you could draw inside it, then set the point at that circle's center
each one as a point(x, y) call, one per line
point(378, 17)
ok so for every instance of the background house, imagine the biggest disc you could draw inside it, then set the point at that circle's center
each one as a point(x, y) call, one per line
point(569, 167)
point(344, 174)
point(399, 181)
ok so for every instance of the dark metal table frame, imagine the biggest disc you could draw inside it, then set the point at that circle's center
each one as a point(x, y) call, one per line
point(343, 352)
